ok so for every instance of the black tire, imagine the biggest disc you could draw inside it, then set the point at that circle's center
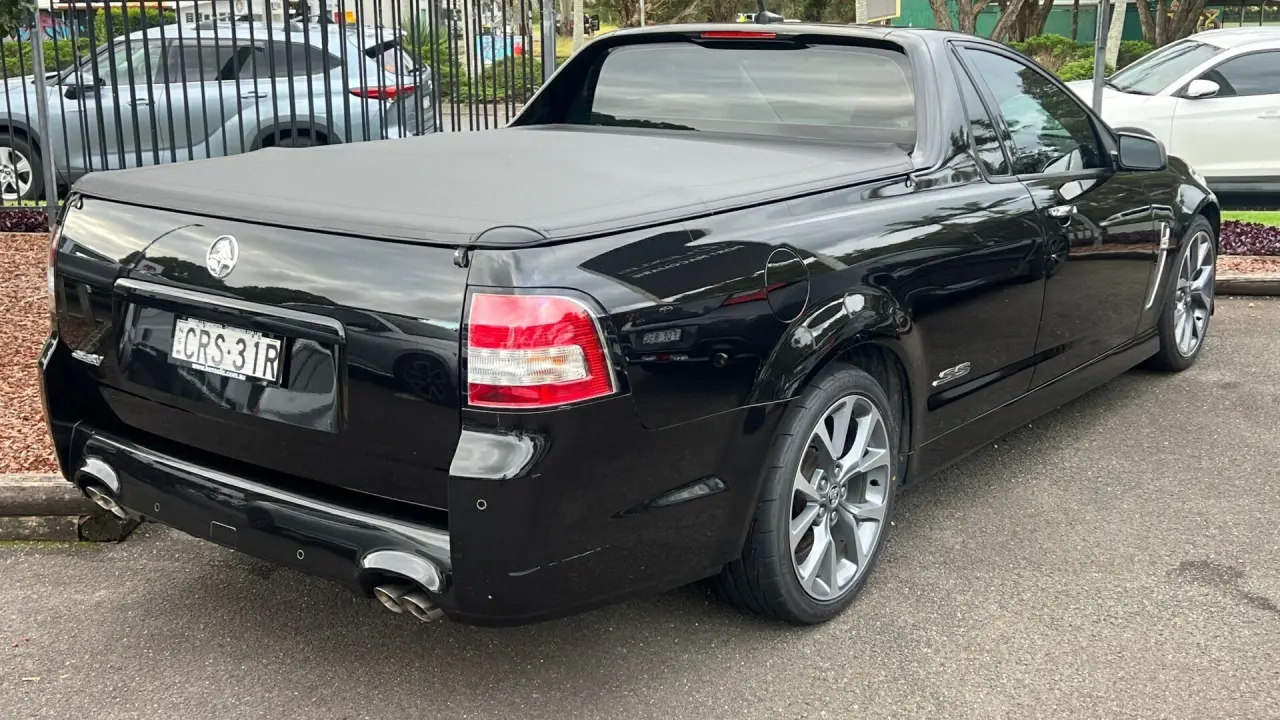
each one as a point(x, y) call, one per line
point(763, 580)
point(1169, 358)
point(17, 144)
point(296, 141)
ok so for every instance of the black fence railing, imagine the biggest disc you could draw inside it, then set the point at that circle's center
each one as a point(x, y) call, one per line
point(128, 84)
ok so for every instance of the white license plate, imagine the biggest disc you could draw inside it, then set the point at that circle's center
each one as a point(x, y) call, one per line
point(660, 336)
point(227, 351)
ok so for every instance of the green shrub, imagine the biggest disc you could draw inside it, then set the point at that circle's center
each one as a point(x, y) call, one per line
point(122, 24)
point(507, 79)
point(1079, 70)
point(17, 56)
point(1131, 51)
point(1053, 51)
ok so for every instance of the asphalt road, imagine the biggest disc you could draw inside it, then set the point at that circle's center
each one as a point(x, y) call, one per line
point(1119, 557)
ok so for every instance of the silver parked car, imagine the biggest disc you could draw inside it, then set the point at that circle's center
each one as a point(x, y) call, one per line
point(189, 91)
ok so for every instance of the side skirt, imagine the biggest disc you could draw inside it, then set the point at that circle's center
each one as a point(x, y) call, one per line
point(948, 449)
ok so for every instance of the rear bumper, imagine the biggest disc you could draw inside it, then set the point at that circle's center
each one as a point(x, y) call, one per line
point(353, 548)
point(548, 514)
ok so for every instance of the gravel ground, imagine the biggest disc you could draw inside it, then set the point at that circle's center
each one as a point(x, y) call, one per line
point(24, 324)
point(1117, 558)
point(1250, 265)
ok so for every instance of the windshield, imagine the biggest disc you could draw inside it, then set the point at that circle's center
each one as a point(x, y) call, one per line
point(808, 91)
point(1158, 70)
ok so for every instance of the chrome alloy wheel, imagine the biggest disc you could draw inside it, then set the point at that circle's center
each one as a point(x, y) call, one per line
point(839, 497)
point(1193, 296)
point(15, 174)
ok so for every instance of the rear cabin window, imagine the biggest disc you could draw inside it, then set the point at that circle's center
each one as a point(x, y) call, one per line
point(810, 91)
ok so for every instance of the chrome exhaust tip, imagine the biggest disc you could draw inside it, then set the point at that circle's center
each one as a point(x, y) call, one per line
point(105, 501)
point(421, 607)
point(390, 596)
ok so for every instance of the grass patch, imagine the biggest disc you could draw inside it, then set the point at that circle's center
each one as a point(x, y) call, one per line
point(1262, 217)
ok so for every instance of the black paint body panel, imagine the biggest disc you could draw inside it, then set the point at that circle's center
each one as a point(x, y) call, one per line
point(992, 311)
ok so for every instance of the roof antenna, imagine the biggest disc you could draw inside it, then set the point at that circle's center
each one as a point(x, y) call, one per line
point(765, 17)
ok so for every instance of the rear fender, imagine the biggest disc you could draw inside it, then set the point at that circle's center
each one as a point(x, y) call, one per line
point(832, 329)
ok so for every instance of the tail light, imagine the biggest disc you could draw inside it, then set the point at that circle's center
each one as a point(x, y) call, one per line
point(534, 351)
point(387, 92)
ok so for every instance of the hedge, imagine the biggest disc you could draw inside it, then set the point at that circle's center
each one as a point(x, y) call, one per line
point(17, 56)
point(1071, 60)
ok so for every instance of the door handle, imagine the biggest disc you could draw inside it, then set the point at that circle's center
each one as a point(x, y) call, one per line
point(140, 102)
point(252, 95)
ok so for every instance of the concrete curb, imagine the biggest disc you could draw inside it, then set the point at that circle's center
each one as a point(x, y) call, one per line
point(1241, 284)
point(47, 507)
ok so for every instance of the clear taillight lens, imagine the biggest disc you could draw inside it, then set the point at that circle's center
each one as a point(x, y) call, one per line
point(534, 351)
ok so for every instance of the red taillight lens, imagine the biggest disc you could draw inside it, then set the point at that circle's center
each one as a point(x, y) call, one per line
point(739, 35)
point(390, 92)
point(534, 351)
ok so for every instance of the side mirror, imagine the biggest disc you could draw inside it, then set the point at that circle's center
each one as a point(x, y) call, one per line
point(1141, 152)
point(1197, 89)
point(81, 84)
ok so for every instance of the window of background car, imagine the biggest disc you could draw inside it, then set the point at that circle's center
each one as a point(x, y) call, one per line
point(1252, 74)
point(815, 91)
point(200, 62)
point(1157, 71)
point(127, 63)
point(982, 131)
point(291, 59)
point(1050, 131)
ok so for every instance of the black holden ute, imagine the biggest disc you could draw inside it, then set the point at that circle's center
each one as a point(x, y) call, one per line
point(696, 314)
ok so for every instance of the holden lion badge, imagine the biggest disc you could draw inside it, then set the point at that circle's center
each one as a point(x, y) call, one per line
point(222, 256)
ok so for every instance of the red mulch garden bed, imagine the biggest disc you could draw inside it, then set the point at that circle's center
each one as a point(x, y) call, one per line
point(24, 324)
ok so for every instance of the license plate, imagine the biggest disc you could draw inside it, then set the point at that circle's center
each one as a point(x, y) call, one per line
point(226, 351)
point(660, 336)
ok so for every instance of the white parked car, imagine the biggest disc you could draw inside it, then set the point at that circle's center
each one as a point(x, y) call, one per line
point(1212, 98)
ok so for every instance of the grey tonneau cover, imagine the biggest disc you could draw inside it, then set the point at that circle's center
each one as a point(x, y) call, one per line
point(449, 188)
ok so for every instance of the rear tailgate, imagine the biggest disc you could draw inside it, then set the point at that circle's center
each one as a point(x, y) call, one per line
point(315, 358)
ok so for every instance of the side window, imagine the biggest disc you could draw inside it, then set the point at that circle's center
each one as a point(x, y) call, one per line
point(1050, 131)
point(1255, 74)
point(288, 59)
point(128, 63)
point(982, 131)
point(201, 62)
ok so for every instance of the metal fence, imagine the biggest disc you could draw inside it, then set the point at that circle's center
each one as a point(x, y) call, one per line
point(93, 86)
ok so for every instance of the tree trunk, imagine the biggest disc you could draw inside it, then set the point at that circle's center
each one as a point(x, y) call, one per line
point(941, 14)
point(1119, 10)
point(1075, 20)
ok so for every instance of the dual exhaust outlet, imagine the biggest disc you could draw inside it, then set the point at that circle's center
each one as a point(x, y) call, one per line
point(399, 598)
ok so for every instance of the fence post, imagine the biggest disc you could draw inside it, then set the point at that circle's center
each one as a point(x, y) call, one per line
point(548, 39)
point(1100, 32)
point(42, 117)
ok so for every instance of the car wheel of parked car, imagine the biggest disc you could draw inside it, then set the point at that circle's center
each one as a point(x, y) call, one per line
point(1184, 319)
point(296, 141)
point(825, 505)
point(20, 170)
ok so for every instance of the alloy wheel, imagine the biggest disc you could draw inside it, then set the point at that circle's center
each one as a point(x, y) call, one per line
point(15, 174)
point(840, 497)
point(1193, 297)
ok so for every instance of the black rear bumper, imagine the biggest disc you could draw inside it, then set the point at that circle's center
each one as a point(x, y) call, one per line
point(353, 548)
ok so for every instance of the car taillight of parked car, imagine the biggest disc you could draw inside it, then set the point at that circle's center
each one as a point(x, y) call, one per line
point(388, 92)
point(534, 351)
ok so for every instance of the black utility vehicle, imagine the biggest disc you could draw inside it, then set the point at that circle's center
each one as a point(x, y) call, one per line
point(697, 313)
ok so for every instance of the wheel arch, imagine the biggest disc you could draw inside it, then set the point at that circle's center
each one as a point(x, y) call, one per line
point(281, 130)
point(866, 328)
